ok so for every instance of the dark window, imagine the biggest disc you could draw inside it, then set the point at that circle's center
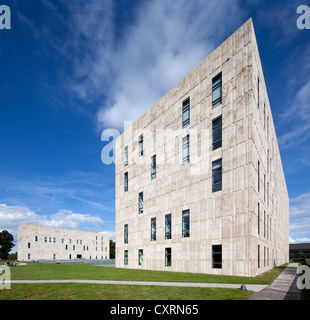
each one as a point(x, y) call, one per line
point(36, 238)
point(217, 175)
point(126, 181)
point(140, 257)
point(186, 113)
point(153, 229)
point(217, 256)
point(28, 245)
point(126, 233)
point(258, 256)
point(168, 226)
point(217, 133)
point(126, 257)
point(185, 154)
point(153, 167)
point(141, 145)
point(185, 223)
point(168, 257)
point(141, 202)
point(217, 90)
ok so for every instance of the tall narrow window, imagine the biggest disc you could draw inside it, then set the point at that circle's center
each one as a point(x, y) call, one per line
point(126, 181)
point(168, 257)
point(186, 113)
point(217, 133)
point(153, 167)
point(258, 218)
point(185, 154)
point(28, 245)
point(185, 223)
point(141, 145)
point(140, 257)
point(217, 256)
point(217, 90)
point(258, 92)
point(168, 226)
point(126, 257)
point(126, 233)
point(264, 224)
point(264, 188)
point(217, 175)
point(153, 229)
point(141, 202)
point(258, 256)
point(258, 174)
point(126, 156)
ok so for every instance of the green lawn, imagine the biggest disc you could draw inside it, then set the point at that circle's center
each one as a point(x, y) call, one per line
point(40, 271)
point(35, 271)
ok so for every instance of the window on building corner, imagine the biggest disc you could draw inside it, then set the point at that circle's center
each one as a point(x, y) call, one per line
point(185, 154)
point(186, 113)
point(153, 167)
point(217, 175)
point(185, 224)
point(217, 90)
point(217, 133)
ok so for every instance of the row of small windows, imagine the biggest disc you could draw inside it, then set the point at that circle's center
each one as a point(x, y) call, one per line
point(185, 227)
point(73, 246)
point(216, 257)
point(70, 257)
point(78, 241)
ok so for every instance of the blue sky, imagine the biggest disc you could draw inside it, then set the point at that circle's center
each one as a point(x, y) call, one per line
point(70, 69)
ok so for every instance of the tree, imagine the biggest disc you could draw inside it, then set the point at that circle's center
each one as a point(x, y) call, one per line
point(112, 249)
point(6, 243)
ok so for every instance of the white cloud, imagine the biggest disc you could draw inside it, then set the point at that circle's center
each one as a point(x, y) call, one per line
point(13, 216)
point(299, 240)
point(300, 205)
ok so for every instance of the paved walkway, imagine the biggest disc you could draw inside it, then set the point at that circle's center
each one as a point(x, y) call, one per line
point(250, 287)
point(284, 287)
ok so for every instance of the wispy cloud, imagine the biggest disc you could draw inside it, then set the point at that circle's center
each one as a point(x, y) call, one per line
point(125, 69)
point(300, 218)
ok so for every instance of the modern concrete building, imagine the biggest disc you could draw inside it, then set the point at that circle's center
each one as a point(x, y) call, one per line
point(199, 180)
point(48, 243)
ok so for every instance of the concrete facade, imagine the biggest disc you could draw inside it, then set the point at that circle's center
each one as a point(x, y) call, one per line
point(48, 243)
point(240, 227)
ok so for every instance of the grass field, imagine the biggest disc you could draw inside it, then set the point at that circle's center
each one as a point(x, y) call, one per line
point(41, 271)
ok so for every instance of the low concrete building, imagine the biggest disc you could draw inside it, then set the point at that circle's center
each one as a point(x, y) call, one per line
point(49, 243)
point(199, 180)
